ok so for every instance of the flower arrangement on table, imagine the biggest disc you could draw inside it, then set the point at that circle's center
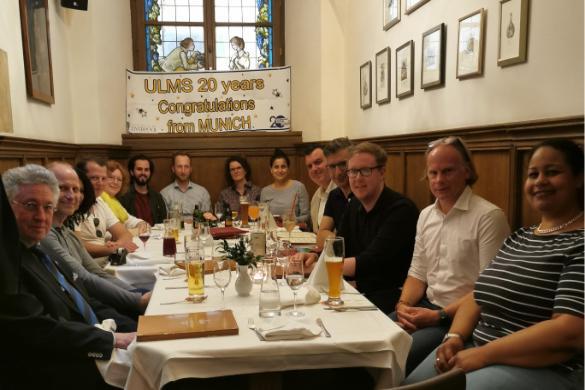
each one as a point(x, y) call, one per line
point(239, 252)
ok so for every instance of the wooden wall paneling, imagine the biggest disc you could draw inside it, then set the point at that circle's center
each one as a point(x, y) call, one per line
point(493, 169)
point(527, 216)
point(395, 172)
point(417, 188)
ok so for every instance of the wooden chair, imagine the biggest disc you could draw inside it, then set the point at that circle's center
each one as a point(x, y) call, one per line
point(450, 380)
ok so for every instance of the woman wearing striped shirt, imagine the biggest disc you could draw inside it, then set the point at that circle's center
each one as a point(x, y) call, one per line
point(522, 327)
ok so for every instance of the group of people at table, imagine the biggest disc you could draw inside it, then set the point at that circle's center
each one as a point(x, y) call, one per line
point(505, 308)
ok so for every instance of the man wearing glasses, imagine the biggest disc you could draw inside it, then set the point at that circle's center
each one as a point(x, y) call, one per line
point(102, 233)
point(49, 321)
point(379, 228)
point(337, 154)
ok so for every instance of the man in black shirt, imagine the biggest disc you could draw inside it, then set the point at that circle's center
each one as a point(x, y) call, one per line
point(379, 227)
point(337, 153)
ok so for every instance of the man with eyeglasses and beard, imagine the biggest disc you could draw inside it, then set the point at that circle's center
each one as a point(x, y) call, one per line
point(102, 233)
point(140, 200)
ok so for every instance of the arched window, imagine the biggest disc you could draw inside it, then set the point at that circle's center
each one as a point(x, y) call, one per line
point(179, 35)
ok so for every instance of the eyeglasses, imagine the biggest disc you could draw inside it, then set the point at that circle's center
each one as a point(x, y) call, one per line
point(116, 179)
point(98, 232)
point(32, 207)
point(456, 142)
point(341, 165)
point(364, 172)
point(98, 178)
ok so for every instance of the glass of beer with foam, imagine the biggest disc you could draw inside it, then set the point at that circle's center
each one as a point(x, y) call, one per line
point(334, 250)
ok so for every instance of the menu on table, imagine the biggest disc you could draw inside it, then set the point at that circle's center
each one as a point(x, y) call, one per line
point(187, 325)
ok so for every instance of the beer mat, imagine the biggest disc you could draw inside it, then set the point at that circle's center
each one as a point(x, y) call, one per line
point(298, 237)
point(219, 233)
point(187, 325)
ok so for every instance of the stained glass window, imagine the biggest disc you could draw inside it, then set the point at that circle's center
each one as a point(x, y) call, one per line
point(180, 35)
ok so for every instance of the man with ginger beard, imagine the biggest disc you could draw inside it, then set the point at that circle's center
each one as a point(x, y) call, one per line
point(140, 200)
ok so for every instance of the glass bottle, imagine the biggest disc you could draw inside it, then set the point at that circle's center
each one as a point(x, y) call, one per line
point(228, 217)
point(269, 305)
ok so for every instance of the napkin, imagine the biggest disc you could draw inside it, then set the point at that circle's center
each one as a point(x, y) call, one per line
point(138, 255)
point(308, 295)
point(170, 270)
point(292, 330)
point(318, 278)
point(115, 371)
point(219, 233)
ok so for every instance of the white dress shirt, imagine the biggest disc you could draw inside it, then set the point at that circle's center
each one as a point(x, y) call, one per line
point(318, 202)
point(451, 250)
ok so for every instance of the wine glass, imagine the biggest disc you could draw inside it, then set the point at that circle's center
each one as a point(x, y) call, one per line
point(144, 235)
point(283, 250)
point(289, 221)
point(218, 210)
point(222, 274)
point(295, 278)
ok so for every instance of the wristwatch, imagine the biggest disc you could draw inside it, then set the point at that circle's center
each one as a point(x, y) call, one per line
point(451, 335)
point(444, 319)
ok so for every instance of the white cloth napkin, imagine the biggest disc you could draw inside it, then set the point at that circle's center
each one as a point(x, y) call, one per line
point(292, 330)
point(170, 270)
point(115, 371)
point(308, 295)
point(138, 255)
point(318, 278)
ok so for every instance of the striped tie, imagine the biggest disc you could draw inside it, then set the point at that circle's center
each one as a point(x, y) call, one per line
point(82, 305)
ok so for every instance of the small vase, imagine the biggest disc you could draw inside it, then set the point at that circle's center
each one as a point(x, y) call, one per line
point(243, 282)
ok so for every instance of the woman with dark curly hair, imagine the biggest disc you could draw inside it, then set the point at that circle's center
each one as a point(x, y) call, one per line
point(238, 175)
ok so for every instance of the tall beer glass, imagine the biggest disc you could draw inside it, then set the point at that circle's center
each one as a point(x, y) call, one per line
point(334, 253)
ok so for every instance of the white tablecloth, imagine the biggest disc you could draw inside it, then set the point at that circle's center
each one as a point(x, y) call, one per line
point(359, 339)
point(142, 265)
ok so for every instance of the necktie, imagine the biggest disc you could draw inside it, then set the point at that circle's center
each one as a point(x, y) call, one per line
point(81, 304)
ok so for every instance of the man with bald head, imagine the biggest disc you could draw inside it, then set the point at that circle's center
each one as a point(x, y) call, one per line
point(456, 238)
point(62, 243)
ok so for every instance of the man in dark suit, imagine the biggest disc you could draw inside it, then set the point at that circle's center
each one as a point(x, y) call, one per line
point(47, 320)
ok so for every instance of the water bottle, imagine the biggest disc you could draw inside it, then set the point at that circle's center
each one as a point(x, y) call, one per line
point(269, 306)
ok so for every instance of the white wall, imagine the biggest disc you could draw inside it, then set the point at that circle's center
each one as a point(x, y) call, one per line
point(326, 42)
point(90, 52)
point(549, 85)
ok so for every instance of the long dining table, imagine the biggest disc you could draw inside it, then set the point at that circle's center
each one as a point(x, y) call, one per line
point(358, 339)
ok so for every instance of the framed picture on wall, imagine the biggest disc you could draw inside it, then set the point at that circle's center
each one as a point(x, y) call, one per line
point(36, 45)
point(513, 35)
point(366, 85)
point(391, 13)
point(413, 5)
point(470, 45)
point(405, 70)
point(383, 76)
point(432, 69)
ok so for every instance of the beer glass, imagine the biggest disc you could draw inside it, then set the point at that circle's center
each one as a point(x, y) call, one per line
point(334, 252)
point(195, 272)
point(244, 205)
